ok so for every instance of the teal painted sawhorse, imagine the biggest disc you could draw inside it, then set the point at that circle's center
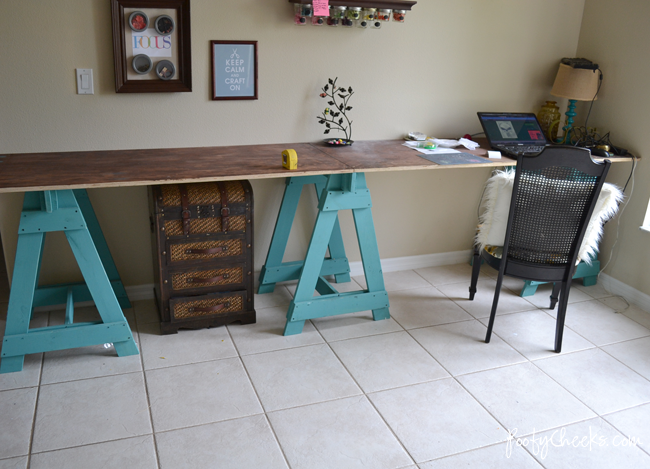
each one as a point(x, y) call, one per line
point(588, 274)
point(69, 211)
point(335, 192)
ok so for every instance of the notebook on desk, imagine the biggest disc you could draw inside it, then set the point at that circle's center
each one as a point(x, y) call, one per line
point(513, 133)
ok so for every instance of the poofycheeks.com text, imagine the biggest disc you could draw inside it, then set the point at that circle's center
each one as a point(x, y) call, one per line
point(539, 445)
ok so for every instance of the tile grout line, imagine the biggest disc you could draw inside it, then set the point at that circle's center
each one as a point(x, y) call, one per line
point(259, 400)
point(146, 388)
point(38, 394)
point(365, 395)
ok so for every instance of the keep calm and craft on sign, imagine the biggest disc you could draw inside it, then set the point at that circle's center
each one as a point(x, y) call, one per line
point(234, 70)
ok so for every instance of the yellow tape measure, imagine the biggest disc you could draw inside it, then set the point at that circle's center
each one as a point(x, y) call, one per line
point(289, 159)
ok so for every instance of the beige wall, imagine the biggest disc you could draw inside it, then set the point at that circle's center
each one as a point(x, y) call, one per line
point(449, 60)
point(617, 37)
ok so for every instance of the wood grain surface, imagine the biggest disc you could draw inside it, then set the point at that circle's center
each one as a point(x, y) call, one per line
point(72, 170)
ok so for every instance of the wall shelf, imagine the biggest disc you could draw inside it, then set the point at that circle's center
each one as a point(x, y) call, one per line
point(383, 4)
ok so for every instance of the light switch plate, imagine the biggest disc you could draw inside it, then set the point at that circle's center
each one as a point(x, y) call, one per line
point(85, 81)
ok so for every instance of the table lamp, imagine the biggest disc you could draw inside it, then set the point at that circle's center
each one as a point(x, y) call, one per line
point(575, 84)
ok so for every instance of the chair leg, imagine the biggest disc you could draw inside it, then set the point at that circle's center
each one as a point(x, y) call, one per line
point(495, 302)
point(561, 315)
point(554, 294)
point(476, 268)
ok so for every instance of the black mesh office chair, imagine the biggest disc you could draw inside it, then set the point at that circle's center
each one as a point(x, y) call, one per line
point(553, 197)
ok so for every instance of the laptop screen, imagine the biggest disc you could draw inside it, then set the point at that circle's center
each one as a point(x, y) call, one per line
point(512, 128)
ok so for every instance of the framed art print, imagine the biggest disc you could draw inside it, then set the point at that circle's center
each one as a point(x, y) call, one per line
point(234, 69)
point(151, 46)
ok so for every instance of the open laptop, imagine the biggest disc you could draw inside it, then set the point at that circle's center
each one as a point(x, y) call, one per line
point(513, 133)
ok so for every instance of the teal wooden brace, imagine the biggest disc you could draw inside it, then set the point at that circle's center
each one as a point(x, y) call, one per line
point(102, 247)
point(274, 270)
point(588, 274)
point(45, 212)
point(336, 246)
point(69, 308)
point(341, 192)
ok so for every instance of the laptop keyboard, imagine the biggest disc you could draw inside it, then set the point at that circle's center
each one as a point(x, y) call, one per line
point(516, 150)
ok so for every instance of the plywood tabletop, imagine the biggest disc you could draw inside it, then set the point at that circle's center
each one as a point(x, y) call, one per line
point(392, 155)
point(87, 169)
point(115, 168)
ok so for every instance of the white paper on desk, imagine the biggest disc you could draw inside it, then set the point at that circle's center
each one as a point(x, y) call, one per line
point(437, 151)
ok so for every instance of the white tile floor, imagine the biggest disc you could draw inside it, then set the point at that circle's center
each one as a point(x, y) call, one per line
point(420, 390)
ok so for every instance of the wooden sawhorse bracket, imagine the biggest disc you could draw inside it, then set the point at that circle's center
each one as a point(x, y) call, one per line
point(335, 192)
point(69, 211)
point(588, 274)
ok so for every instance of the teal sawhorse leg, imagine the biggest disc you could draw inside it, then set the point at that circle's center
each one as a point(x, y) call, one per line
point(588, 274)
point(68, 211)
point(274, 270)
point(340, 192)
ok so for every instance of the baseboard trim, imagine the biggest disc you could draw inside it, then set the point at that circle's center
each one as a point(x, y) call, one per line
point(632, 295)
point(395, 264)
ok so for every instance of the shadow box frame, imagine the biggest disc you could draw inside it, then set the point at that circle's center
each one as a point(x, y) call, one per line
point(214, 75)
point(183, 80)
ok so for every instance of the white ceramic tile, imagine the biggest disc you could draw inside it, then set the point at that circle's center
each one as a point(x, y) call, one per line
point(90, 411)
point(300, 376)
point(593, 444)
point(266, 334)
point(423, 307)
point(595, 291)
point(31, 372)
point(88, 362)
point(187, 395)
point(481, 305)
point(348, 326)
point(387, 361)
point(600, 324)
point(342, 434)
point(632, 311)
point(633, 424)
point(460, 347)
point(542, 297)
point(395, 281)
point(437, 419)
point(146, 312)
point(443, 274)
point(14, 463)
point(16, 416)
point(138, 452)
point(524, 399)
point(634, 353)
point(532, 333)
point(600, 381)
point(234, 444)
point(279, 297)
point(184, 347)
point(499, 456)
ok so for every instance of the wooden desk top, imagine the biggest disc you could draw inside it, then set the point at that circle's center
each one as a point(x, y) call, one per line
point(116, 168)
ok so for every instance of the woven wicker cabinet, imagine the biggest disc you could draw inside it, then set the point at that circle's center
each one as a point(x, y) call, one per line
point(203, 254)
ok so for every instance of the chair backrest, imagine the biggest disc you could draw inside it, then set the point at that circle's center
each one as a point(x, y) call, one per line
point(554, 194)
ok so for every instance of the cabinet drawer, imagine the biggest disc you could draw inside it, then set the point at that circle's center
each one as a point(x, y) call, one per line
point(204, 250)
point(207, 277)
point(207, 306)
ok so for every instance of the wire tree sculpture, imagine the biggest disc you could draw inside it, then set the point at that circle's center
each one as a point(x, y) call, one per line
point(334, 117)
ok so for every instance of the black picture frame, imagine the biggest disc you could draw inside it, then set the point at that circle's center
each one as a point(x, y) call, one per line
point(221, 71)
point(182, 80)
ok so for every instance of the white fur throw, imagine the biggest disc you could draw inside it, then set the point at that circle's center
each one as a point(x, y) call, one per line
point(496, 205)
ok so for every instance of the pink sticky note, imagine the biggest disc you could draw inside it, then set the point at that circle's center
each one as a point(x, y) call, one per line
point(321, 7)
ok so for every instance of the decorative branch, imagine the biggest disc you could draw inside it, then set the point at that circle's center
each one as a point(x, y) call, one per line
point(331, 115)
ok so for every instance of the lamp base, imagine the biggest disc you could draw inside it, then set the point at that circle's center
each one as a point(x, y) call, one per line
point(570, 114)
